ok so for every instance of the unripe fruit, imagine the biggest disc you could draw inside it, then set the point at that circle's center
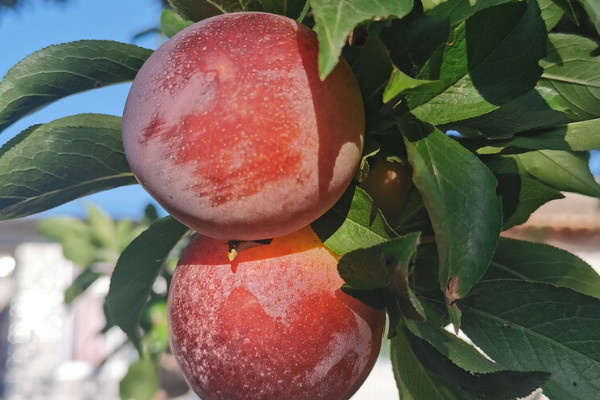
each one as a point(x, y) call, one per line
point(273, 324)
point(228, 126)
point(388, 183)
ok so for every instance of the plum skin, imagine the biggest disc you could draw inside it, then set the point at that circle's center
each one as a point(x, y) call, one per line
point(388, 183)
point(229, 127)
point(273, 324)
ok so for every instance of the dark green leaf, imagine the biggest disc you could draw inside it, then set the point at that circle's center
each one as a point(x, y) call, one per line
point(459, 192)
point(172, 22)
point(517, 259)
point(196, 10)
point(551, 13)
point(335, 19)
point(458, 10)
point(135, 272)
point(421, 36)
point(562, 170)
point(592, 8)
point(422, 372)
point(401, 83)
point(80, 284)
point(536, 326)
point(375, 67)
point(572, 71)
point(576, 136)
point(141, 381)
point(567, 7)
point(386, 265)
point(353, 223)
point(498, 385)
point(374, 267)
point(461, 353)
point(541, 107)
point(290, 8)
point(491, 59)
point(521, 194)
point(413, 215)
point(61, 70)
point(568, 91)
point(416, 382)
point(51, 164)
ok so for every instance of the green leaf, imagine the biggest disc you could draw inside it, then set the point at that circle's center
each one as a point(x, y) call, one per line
point(103, 229)
point(490, 59)
point(459, 192)
point(537, 326)
point(141, 381)
point(551, 13)
point(172, 22)
point(48, 165)
point(421, 36)
point(61, 70)
point(520, 200)
point(196, 10)
point(135, 272)
point(576, 136)
point(74, 236)
point(335, 19)
point(414, 381)
point(461, 353)
point(457, 10)
point(567, 7)
point(521, 193)
point(568, 91)
point(413, 215)
point(562, 170)
point(80, 284)
point(375, 66)
point(592, 8)
point(541, 107)
point(572, 71)
point(400, 83)
point(374, 267)
point(437, 377)
point(538, 262)
point(290, 8)
point(385, 265)
point(352, 223)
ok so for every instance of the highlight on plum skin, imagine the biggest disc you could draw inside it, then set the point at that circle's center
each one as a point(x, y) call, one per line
point(272, 324)
point(229, 127)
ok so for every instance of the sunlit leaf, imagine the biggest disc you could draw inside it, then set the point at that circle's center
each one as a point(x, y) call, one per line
point(539, 262)
point(61, 70)
point(538, 326)
point(489, 60)
point(171, 22)
point(135, 272)
point(336, 18)
point(458, 10)
point(353, 223)
point(50, 164)
point(459, 192)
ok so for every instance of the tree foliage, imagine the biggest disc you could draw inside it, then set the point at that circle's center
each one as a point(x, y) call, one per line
point(493, 105)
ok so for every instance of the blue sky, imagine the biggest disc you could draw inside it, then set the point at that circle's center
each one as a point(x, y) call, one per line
point(40, 24)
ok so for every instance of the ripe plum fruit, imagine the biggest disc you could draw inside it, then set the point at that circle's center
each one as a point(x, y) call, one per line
point(273, 324)
point(229, 127)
